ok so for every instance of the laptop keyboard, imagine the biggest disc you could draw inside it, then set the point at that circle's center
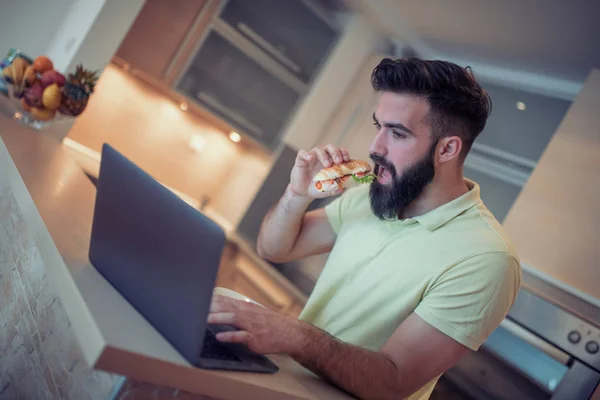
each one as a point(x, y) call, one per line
point(215, 350)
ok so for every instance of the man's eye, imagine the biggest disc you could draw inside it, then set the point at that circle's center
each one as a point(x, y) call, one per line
point(399, 135)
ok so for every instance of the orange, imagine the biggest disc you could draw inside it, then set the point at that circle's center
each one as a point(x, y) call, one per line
point(42, 64)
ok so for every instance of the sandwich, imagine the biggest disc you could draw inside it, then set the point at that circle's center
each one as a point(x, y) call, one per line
point(337, 176)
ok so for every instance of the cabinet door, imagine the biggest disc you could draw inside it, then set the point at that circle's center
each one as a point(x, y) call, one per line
point(286, 29)
point(229, 83)
point(157, 33)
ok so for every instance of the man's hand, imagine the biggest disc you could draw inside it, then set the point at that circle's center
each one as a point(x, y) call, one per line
point(261, 330)
point(308, 163)
point(288, 232)
point(415, 354)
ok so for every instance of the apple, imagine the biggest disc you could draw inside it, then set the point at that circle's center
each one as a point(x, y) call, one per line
point(33, 94)
point(51, 77)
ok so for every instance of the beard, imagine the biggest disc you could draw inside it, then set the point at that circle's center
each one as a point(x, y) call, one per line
point(389, 201)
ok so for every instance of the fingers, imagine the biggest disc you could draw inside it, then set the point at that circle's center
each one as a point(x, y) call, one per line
point(224, 304)
point(217, 304)
point(222, 318)
point(334, 153)
point(345, 154)
point(323, 156)
point(327, 156)
point(234, 337)
point(305, 158)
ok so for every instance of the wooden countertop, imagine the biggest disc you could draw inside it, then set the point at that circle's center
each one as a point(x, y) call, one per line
point(53, 191)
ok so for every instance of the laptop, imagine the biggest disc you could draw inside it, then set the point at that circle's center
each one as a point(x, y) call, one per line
point(162, 255)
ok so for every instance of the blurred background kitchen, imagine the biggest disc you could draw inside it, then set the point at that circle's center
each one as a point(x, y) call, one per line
point(215, 97)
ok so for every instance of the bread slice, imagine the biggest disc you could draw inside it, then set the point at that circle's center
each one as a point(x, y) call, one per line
point(340, 170)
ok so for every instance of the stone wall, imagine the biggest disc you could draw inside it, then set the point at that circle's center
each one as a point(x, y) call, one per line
point(39, 354)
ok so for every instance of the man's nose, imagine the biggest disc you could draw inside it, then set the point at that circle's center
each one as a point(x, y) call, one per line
point(379, 144)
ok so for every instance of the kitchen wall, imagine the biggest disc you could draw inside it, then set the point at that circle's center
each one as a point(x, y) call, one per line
point(31, 25)
point(91, 32)
point(554, 222)
point(67, 31)
point(151, 129)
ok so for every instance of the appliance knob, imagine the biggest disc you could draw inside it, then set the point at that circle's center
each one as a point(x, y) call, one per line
point(574, 337)
point(592, 347)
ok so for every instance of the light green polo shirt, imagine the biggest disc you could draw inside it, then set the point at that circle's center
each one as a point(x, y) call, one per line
point(453, 266)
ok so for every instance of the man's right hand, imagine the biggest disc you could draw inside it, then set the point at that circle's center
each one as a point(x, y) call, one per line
point(308, 163)
point(289, 232)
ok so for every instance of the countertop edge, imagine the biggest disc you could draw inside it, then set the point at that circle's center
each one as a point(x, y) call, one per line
point(214, 384)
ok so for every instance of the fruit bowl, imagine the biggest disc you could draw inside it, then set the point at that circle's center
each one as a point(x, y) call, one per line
point(39, 95)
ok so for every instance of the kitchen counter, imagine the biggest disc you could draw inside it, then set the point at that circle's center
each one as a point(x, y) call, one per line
point(111, 334)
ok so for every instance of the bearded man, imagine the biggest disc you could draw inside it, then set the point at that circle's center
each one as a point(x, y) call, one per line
point(419, 271)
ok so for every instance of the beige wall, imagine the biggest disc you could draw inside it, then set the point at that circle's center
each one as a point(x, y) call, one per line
point(47, 20)
point(151, 130)
point(555, 221)
point(93, 31)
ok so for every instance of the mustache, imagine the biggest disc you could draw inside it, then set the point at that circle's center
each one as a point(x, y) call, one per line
point(380, 160)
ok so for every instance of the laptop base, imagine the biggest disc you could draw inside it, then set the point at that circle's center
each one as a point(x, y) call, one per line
point(231, 356)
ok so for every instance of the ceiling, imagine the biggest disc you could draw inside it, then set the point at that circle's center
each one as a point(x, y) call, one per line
point(544, 46)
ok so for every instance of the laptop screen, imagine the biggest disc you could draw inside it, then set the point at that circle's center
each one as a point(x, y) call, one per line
point(161, 254)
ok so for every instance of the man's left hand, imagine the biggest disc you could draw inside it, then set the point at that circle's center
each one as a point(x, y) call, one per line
point(263, 331)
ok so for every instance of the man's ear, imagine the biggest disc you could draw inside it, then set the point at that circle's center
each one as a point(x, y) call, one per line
point(449, 148)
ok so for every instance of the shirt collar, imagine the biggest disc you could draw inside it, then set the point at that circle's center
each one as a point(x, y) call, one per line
point(440, 216)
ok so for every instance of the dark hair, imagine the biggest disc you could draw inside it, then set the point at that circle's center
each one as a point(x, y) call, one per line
point(459, 105)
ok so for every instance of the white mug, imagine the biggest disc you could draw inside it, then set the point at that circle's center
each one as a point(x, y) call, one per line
point(221, 291)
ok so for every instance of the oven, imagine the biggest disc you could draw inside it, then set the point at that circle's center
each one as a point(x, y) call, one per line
point(548, 347)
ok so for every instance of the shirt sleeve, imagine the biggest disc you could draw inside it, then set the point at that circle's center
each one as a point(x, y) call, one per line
point(468, 301)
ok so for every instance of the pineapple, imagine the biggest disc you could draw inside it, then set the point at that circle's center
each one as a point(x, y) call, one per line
point(77, 91)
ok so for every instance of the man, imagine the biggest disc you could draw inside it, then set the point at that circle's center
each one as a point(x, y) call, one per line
point(419, 271)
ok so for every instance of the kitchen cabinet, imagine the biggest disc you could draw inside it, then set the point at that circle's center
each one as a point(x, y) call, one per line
point(248, 63)
point(255, 61)
point(159, 30)
point(289, 31)
point(237, 88)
